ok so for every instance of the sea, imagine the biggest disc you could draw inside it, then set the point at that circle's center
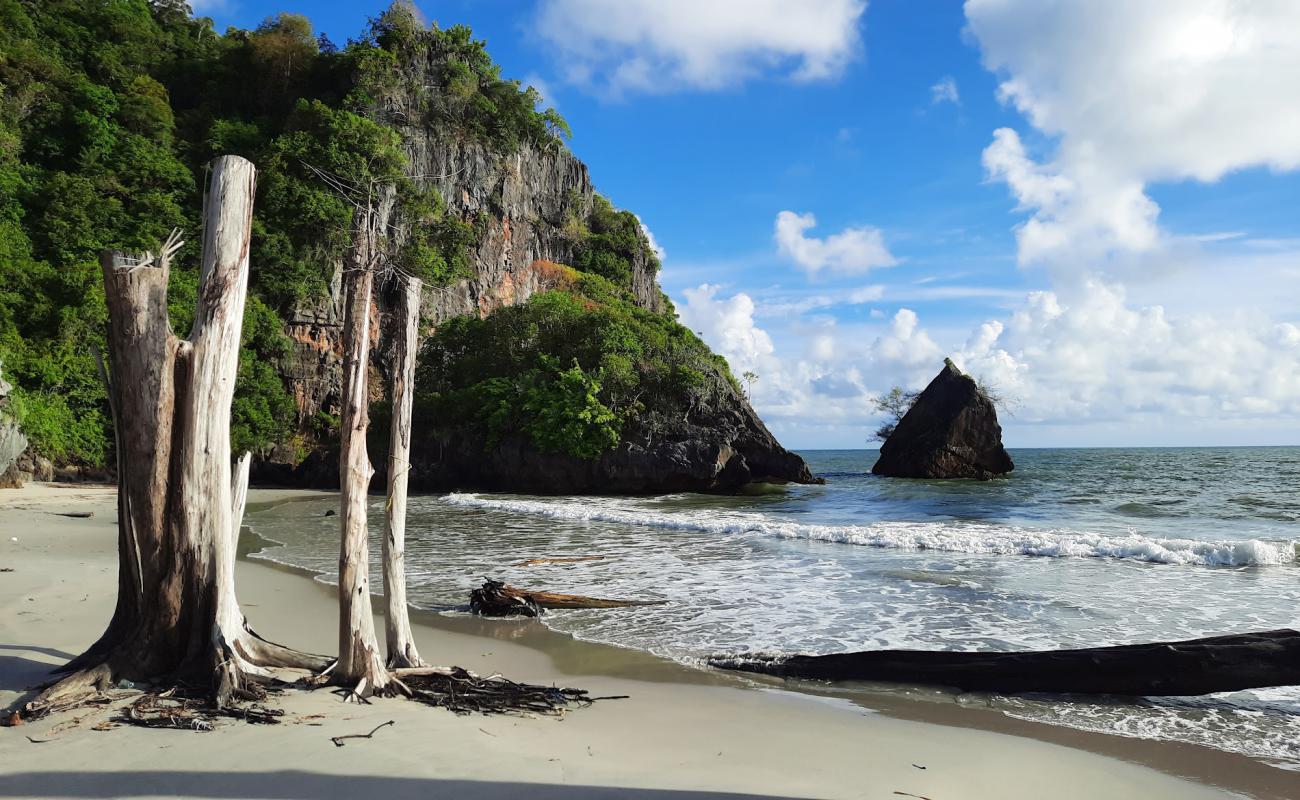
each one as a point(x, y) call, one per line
point(1075, 548)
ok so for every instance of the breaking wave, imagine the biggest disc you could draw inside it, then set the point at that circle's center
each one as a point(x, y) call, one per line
point(949, 537)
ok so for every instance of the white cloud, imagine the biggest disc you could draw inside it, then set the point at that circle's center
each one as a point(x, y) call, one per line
point(906, 344)
point(945, 91)
point(664, 45)
point(1134, 93)
point(728, 326)
point(824, 373)
point(852, 250)
point(650, 238)
point(1078, 358)
point(1085, 354)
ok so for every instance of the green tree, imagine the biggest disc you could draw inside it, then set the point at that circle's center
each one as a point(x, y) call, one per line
point(894, 404)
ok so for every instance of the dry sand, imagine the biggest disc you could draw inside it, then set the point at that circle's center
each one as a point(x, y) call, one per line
point(683, 733)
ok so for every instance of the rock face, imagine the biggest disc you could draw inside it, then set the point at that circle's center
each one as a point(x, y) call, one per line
point(12, 443)
point(522, 198)
point(951, 431)
point(722, 451)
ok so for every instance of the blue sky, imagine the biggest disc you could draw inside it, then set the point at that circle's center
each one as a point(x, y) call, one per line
point(1092, 206)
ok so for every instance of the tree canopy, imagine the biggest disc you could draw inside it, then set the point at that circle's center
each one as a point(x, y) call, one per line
point(572, 369)
point(109, 112)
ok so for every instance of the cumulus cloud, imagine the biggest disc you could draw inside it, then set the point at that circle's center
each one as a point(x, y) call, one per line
point(852, 250)
point(728, 326)
point(1079, 356)
point(665, 45)
point(1134, 93)
point(906, 343)
point(650, 238)
point(1086, 354)
point(945, 91)
point(822, 374)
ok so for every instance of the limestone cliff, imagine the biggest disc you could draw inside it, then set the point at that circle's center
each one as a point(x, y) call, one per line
point(523, 202)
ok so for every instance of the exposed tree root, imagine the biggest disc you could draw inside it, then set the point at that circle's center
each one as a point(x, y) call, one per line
point(78, 689)
point(184, 706)
point(242, 668)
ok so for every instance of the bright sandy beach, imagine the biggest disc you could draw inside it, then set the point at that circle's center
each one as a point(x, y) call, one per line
point(681, 733)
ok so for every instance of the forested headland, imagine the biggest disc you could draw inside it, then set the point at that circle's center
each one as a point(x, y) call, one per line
point(549, 333)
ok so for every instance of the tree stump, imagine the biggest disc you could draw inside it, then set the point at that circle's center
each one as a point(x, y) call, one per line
point(179, 504)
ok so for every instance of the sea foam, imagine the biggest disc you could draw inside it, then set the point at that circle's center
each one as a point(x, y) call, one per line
point(949, 537)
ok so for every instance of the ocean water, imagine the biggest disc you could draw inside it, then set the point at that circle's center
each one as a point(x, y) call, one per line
point(1077, 547)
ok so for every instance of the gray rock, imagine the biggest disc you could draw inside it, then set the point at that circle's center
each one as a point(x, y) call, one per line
point(723, 450)
point(12, 442)
point(951, 431)
point(35, 467)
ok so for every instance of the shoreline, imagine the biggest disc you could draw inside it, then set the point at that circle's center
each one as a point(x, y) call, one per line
point(770, 739)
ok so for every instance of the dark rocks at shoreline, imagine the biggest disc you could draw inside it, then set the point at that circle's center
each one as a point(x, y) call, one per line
point(723, 452)
point(951, 431)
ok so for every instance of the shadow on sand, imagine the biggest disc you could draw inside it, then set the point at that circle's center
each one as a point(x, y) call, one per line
point(297, 785)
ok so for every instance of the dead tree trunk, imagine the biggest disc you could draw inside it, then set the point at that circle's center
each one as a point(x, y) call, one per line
point(1191, 667)
point(176, 616)
point(360, 665)
point(397, 622)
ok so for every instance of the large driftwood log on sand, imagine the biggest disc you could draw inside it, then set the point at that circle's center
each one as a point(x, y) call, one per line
point(1191, 667)
point(495, 599)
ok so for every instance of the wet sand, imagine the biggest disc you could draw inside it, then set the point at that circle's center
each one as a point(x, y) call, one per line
point(683, 732)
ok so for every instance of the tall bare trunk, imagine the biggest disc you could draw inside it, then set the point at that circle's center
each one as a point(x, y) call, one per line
point(397, 621)
point(359, 664)
point(176, 615)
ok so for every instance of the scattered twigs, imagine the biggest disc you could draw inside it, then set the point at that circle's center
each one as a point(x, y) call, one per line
point(74, 514)
point(179, 710)
point(338, 740)
point(496, 599)
point(154, 711)
point(462, 692)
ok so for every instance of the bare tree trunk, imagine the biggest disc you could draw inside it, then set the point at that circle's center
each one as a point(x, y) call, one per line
point(176, 615)
point(397, 621)
point(359, 664)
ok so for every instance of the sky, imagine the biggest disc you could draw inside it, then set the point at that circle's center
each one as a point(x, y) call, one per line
point(1091, 206)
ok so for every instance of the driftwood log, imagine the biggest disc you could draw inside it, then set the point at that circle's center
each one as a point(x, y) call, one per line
point(1191, 667)
point(495, 599)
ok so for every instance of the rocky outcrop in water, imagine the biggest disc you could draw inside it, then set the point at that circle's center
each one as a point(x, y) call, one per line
point(951, 431)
